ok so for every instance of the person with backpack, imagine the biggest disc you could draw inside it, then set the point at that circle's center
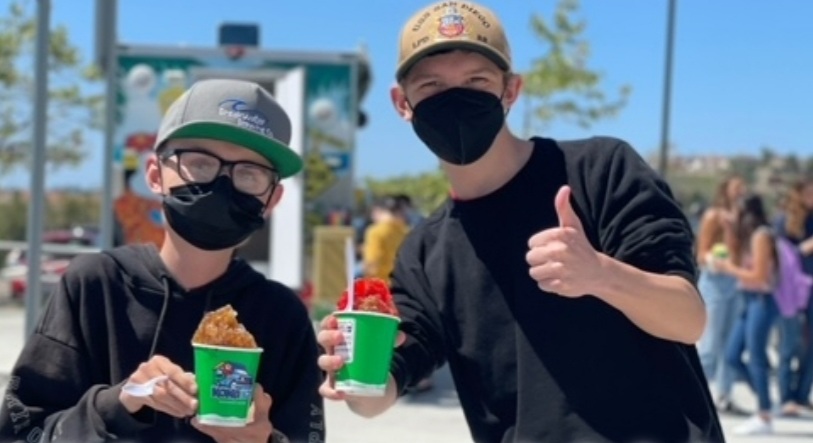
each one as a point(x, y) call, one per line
point(753, 262)
point(794, 228)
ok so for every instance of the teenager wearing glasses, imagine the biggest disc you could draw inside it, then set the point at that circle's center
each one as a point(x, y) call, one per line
point(129, 314)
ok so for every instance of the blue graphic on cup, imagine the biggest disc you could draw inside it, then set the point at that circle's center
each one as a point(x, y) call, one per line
point(232, 382)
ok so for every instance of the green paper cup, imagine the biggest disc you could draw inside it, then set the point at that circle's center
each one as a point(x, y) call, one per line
point(225, 378)
point(369, 339)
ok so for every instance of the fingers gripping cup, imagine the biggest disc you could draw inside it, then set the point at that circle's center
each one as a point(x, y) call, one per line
point(369, 330)
point(225, 378)
point(718, 252)
point(226, 362)
point(367, 352)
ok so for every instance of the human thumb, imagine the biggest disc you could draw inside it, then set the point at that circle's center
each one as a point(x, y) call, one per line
point(564, 210)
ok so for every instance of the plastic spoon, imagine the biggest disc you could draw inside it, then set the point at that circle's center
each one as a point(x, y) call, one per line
point(143, 389)
point(350, 258)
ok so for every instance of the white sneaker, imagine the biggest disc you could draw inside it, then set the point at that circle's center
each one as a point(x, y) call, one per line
point(755, 425)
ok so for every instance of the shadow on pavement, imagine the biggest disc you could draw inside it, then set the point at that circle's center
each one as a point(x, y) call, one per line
point(795, 434)
point(4, 378)
point(442, 394)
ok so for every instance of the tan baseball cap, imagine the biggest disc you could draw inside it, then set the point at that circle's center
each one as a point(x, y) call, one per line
point(452, 25)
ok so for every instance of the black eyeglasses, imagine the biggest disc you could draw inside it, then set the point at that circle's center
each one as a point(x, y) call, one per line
point(199, 166)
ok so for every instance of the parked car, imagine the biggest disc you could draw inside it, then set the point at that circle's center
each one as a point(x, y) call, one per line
point(14, 275)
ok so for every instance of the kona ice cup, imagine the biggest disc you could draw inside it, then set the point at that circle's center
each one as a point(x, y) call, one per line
point(225, 378)
point(369, 339)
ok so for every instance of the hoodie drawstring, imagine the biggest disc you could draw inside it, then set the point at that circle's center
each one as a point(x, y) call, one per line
point(208, 305)
point(159, 327)
point(164, 306)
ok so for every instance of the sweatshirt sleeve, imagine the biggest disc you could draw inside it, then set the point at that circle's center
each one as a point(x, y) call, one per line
point(638, 219)
point(50, 397)
point(298, 413)
point(423, 351)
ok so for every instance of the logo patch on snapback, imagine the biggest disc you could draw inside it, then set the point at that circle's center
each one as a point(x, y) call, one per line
point(245, 116)
point(452, 23)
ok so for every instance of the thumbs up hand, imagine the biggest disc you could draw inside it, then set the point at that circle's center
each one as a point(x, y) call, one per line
point(561, 259)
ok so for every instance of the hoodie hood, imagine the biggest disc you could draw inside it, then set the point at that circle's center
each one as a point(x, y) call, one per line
point(144, 271)
point(109, 315)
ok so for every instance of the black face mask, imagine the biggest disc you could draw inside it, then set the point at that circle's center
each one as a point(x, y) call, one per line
point(212, 216)
point(459, 124)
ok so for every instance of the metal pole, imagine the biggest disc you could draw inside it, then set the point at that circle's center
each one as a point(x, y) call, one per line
point(36, 202)
point(663, 163)
point(111, 80)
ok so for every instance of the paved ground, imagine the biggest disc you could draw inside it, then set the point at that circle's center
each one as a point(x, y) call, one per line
point(426, 418)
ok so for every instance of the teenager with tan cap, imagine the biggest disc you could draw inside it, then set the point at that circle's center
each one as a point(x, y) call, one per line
point(558, 281)
point(128, 315)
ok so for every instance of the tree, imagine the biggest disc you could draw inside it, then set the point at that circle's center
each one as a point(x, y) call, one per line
point(71, 112)
point(745, 166)
point(808, 166)
point(793, 164)
point(767, 155)
point(427, 190)
point(14, 207)
point(559, 83)
point(72, 208)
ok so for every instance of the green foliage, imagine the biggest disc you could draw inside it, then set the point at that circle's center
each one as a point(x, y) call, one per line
point(63, 210)
point(69, 209)
point(559, 83)
point(689, 187)
point(14, 208)
point(428, 190)
point(744, 166)
point(793, 164)
point(71, 112)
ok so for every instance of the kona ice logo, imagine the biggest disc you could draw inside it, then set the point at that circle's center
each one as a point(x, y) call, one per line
point(232, 382)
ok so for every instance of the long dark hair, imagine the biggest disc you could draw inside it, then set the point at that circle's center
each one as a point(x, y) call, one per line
point(751, 215)
point(721, 199)
point(795, 211)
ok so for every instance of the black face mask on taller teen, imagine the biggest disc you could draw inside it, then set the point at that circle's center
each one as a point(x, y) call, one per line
point(459, 125)
point(213, 216)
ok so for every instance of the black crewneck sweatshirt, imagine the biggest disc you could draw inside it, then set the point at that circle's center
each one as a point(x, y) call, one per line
point(531, 366)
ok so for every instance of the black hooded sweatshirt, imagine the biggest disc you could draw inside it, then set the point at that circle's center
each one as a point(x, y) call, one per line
point(115, 309)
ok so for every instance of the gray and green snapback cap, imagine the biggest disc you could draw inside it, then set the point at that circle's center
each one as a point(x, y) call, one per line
point(235, 111)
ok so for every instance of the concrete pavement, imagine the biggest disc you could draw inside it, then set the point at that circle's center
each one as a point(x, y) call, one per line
point(431, 417)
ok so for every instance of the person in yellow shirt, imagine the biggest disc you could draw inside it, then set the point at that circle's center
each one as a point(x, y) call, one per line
point(392, 218)
point(383, 238)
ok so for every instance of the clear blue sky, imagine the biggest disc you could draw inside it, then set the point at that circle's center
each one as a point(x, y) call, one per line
point(741, 79)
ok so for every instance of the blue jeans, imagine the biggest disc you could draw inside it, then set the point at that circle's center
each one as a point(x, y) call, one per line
point(797, 341)
point(723, 305)
point(790, 339)
point(751, 333)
